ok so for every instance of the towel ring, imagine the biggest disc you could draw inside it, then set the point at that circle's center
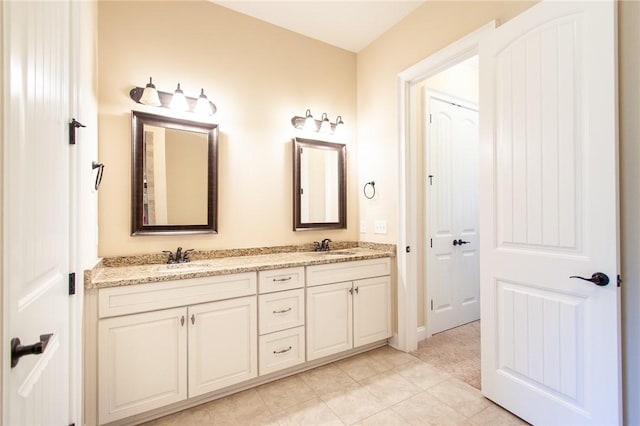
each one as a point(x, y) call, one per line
point(372, 191)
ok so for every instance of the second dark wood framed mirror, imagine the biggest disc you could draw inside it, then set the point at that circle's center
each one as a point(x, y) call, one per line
point(319, 185)
point(174, 175)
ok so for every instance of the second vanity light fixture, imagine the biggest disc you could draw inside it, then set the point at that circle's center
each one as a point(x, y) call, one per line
point(177, 101)
point(309, 124)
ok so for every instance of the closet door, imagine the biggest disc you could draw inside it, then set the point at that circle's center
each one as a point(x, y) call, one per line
point(453, 282)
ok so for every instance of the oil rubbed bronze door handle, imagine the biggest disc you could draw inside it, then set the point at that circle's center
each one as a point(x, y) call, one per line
point(598, 278)
point(459, 242)
point(18, 350)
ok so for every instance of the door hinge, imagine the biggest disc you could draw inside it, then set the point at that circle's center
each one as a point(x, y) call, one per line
point(72, 130)
point(408, 249)
point(301, 191)
point(619, 280)
point(431, 242)
point(72, 283)
point(432, 304)
point(430, 119)
point(431, 180)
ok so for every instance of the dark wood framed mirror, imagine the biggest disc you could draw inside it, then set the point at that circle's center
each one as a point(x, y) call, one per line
point(319, 185)
point(174, 175)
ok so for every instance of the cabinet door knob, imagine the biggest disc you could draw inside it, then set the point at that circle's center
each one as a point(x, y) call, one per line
point(182, 321)
point(193, 318)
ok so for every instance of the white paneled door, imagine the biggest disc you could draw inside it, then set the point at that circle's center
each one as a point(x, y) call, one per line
point(36, 210)
point(453, 280)
point(549, 215)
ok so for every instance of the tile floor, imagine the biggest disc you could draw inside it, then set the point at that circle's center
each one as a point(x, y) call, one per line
point(380, 387)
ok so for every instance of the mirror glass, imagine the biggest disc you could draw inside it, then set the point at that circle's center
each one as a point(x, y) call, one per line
point(174, 175)
point(319, 185)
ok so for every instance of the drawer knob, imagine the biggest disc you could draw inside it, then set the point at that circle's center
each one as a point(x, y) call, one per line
point(283, 311)
point(281, 279)
point(282, 351)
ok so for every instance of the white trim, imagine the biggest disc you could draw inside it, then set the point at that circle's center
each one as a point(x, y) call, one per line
point(460, 50)
point(422, 333)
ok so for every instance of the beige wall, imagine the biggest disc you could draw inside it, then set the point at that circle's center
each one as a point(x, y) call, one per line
point(258, 75)
point(436, 25)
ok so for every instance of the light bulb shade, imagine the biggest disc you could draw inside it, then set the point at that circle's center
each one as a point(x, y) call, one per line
point(309, 122)
point(325, 127)
point(203, 106)
point(150, 95)
point(178, 100)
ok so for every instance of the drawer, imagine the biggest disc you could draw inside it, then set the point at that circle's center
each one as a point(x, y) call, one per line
point(131, 299)
point(279, 311)
point(347, 271)
point(280, 279)
point(281, 350)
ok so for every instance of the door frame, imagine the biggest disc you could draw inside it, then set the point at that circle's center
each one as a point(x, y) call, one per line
point(426, 109)
point(464, 48)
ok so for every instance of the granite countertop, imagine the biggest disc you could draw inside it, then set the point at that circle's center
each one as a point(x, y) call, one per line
point(113, 276)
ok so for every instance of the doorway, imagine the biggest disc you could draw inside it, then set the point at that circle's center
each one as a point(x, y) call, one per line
point(451, 282)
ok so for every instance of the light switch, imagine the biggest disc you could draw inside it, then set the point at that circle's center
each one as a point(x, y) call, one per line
point(380, 227)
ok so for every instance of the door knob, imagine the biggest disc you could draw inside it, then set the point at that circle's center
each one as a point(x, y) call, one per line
point(459, 242)
point(18, 350)
point(598, 278)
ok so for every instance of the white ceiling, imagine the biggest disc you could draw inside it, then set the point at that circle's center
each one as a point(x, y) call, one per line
point(350, 25)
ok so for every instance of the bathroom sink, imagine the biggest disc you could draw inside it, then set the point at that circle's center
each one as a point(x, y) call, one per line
point(181, 267)
point(337, 253)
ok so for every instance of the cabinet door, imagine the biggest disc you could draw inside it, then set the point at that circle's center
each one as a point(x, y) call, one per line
point(223, 344)
point(329, 319)
point(142, 362)
point(371, 310)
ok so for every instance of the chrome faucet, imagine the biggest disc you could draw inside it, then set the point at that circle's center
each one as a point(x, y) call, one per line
point(323, 246)
point(179, 256)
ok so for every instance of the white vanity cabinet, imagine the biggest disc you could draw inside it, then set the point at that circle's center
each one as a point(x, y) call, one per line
point(151, 359)
point(348, 305)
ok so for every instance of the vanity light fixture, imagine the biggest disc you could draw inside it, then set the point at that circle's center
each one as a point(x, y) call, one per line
point(309, 124)
point(203, 106)
point(178, 101)
point(149, 95)
point(325, 126)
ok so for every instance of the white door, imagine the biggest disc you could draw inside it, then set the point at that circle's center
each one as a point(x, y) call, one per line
point(453, 276)
point(549, 211)
point(36, 208)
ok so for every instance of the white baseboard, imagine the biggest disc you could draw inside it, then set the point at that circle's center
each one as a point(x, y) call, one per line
point(422, 333)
